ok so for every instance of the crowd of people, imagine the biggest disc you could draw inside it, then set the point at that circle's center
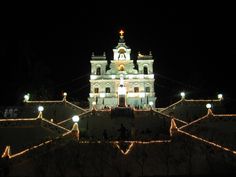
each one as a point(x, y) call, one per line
point(9, 112)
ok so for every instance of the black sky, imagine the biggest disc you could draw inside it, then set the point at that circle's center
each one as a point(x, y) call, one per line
point(194, 49)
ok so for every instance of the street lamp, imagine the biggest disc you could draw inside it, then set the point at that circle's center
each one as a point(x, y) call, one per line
point(75, 119)
point(182, 94)
point(208, 106)
point(151, 104)
point(26, 97)
point(64, 96)
point(94, 104)
point(40, 109)
point(220, 96)
point(75, 128)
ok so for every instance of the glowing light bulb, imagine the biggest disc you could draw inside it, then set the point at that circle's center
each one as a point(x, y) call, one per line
point(26, 97)
point(150, 103)
point(40, 108)
point(208, 105)
point(75, 119)
point(182, 94)
point(220, 96)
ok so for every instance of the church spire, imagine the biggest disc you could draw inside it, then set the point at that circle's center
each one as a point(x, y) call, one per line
point(121, 51)
point(122, 40)
point(121, 33)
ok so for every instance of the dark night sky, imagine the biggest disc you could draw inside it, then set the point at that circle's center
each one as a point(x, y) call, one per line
point(194, 49)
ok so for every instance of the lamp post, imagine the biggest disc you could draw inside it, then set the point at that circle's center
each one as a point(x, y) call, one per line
point(26, 97)
point(220, 96)
point(75, 128)
point(64, 96)
point(40, 110)
point(182, 94)
point(208, 106)
point(150, 104)
point(94, 104)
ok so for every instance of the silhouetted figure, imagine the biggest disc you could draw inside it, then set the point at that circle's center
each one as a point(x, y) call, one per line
point(122, 131)
point(15, 112)
point(10, 112)
point(6, 113)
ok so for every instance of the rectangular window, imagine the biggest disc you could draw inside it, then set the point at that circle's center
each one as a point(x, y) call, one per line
point(147, 89)
point(136, 89)
point(96, 90)
point(108, 90)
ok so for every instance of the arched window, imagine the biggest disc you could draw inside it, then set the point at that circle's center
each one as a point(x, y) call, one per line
point(145, 70)
point(98, 71)
point(121, 54)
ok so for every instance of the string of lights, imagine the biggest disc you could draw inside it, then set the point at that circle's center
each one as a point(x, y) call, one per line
point(208, 142)
point(141, 110)
point(7, 149)
point(181, 121)
point(208, 101)
point(206, 116)
point(69, 119)
point(26, 97)
point(195, 121)
point(56, 125)
point(128, 142)
point(161, 113)
point(171, 105)
point(16, 120)
point(33, 119)
point(115, 143)
point(170, 117)
point(190, 101)
point(127, 150)
point(225, 115)
point(75, 106)
point(56, 101)
point(6, 152)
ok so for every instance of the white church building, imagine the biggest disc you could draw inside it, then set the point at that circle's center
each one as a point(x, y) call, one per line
point(123, 82)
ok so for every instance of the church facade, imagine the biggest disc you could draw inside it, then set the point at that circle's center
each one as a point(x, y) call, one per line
point(123, 81)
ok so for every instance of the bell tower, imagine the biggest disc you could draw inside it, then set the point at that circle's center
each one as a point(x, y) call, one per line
point(121, 52)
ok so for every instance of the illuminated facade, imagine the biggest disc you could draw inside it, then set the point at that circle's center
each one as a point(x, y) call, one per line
point(122, 80)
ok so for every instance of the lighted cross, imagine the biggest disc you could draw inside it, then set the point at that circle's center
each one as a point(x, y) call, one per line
point(121, 32)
